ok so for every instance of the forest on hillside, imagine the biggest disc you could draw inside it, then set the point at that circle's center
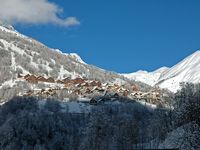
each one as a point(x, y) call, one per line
point(29, 123)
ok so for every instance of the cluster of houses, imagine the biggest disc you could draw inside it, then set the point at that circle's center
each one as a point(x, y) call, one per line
point(87, 88)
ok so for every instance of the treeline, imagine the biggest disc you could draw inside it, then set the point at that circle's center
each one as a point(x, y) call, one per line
point(30, 123)
point(184, 129)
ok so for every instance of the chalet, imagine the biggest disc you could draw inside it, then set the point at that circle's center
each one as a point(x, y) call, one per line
point(85, 84)
point(88, 91)
point(46, 93)
point(41, 79)
point(78, 81)
point(98, 83)
point(135, 88)
point(93, 101)
point(28, 93)
point(66, 85)
point(77, 91)
point(93, 83)
point(116, 95)
point(50, 90)
point(26, 76)
point(116, 86)
point(50, 80)
point(125, 93)
point(66, 80)
point(32, 79)
point(43, 90)
point(100, 89)
point(19, 75)
point(59, 82)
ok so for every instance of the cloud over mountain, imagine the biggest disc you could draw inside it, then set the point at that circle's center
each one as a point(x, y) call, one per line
point(34, 12)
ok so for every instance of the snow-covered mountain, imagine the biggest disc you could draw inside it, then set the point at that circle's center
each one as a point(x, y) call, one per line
point(188, 70)
point(149, 78)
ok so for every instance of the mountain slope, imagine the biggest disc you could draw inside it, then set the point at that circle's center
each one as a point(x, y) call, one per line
point(185, 71)
point(20, 54)
point(149, 78)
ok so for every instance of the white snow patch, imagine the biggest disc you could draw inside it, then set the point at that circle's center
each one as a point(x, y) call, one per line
point(14, 32)
point(12, 46)
point(53, 61)
point(150, 78)
point(76, 57)
point(75, 107)
point(119, 81)
point(9, 83)
point(147, 104)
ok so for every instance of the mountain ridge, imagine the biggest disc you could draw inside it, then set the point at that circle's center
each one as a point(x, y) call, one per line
point(23, 55)
point(170, 78)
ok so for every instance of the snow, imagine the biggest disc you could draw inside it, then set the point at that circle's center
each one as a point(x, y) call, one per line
point(25, 72)
point(185, 71)
point(148, 105)
point(76, 57)
point(75, 107)
point(52, 85)
point(12, 46)
point(13, 63)
point(9, 83)
point(70, 107)
point(14, 32)
point(169, 78)
point(53, 61)
point(85, 99)
point(118, 81)
point(63, 72)
point(150, 78)
point(47, 67)
point(184, 137)
point(59, 51)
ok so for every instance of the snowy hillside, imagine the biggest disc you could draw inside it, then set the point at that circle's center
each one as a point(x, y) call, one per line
point(170, 78)
point(185, 71)
point(20, 54)
point(25, 55)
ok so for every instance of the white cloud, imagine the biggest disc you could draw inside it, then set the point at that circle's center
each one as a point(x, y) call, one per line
point(33, 12)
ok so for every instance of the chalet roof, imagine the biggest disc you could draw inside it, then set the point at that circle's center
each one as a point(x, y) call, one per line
point(19, 75)
point(93, 101)
point(31, 78)
point(50, 79)
point(66, 79)
point(26, 76)
point(78, 80)
point(116, 95)
point(41, 78)
point(59, 81)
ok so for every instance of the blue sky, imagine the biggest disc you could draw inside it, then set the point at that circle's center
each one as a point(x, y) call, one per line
point(124, 35)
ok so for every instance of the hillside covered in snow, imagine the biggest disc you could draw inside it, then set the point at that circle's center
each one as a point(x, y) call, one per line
point(20, 54)
point(169, 78)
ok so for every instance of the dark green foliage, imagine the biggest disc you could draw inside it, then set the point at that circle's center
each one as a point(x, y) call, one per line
point(24, 124)
point(187, 106)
